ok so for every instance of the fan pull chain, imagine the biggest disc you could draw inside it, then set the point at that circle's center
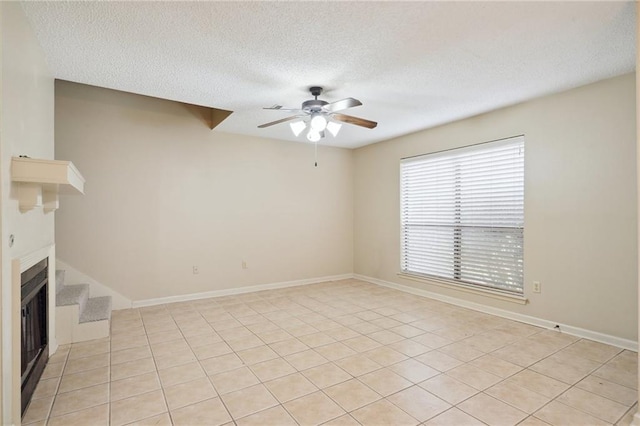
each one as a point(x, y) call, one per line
point(316, 152)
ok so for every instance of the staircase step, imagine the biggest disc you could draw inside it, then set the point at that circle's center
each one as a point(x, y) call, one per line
point(73, 295)
point(96, 309)
point(59, 280)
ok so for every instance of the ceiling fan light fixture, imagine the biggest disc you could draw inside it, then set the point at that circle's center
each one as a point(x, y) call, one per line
point(297, 127)
point(317, 116)
point(313, 136)
point(334, 128)
point(318, 122)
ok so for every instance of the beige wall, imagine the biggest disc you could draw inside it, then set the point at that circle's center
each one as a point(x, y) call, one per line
point(26, 128)
point(580, 203)
point(165, 193)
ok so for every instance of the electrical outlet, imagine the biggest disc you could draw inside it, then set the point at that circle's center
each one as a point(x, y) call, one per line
point(244, 264)
point(537, 287)
point(196, 270)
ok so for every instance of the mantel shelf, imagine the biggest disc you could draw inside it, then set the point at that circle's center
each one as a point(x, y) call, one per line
point(40, 181)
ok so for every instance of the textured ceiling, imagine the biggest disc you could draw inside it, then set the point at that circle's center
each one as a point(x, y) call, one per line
point(413, 65)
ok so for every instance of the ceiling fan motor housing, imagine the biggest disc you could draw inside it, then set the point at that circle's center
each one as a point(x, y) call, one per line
point(313, 105)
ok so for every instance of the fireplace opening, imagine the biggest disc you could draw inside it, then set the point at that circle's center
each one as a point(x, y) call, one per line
point(34, 318)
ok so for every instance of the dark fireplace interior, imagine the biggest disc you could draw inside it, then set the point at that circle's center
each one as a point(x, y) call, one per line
point(35, 348)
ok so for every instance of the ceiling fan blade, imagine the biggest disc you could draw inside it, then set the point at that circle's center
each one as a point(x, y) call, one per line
point(279, 108)
point(283, 120)
point(354, 120)
point(342, 104)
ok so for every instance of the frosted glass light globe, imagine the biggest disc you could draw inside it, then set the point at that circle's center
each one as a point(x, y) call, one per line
point(297, 127)
point(318, 122)
point(313, 136)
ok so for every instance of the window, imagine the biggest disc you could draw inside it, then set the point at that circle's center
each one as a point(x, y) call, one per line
point(462, 215)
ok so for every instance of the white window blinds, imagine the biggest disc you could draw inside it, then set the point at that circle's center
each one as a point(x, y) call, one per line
point(462, 214)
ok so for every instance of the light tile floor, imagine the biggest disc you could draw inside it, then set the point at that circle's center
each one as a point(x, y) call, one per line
point(336, 353)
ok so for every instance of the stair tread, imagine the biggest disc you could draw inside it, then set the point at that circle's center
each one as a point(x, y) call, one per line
point(96, 309)
point(71, 294)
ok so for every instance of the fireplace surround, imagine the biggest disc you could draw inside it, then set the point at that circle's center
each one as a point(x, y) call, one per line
point(34, 328)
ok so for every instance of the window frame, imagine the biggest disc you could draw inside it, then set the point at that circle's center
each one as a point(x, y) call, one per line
point(456, 277)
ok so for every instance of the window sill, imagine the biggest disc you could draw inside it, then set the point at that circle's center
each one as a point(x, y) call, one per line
point(514, 298)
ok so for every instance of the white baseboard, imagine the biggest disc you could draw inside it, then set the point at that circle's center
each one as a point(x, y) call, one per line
point(238, 290)
point(539, 322)
point(53, 345)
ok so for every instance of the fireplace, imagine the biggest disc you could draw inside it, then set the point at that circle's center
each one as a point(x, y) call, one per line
point(34, 321)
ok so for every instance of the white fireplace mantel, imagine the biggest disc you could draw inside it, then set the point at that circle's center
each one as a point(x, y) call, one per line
point(42, 180)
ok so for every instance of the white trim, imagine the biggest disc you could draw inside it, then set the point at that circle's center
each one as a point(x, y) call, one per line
point(539, 322)
point(53, 345)
point(514, 298)
point(234, 291)
point(28, 260)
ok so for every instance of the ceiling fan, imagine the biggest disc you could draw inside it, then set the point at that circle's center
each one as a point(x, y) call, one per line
point(320, 116)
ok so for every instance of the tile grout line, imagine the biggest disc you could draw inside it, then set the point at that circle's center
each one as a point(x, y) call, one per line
point(304, 303)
